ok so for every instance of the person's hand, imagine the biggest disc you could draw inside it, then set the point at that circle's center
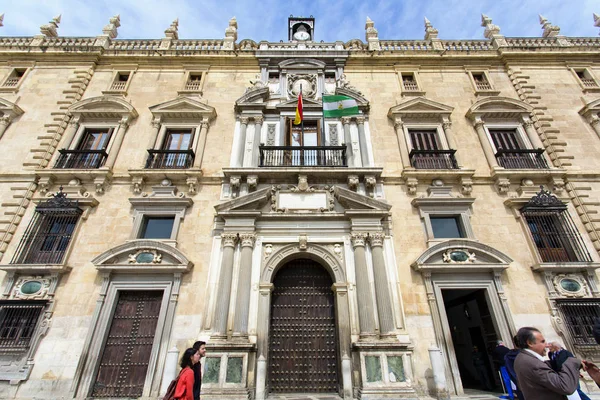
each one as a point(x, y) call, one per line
point(592, 370)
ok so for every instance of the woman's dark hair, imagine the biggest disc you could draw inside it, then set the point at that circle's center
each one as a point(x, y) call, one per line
point(186, 360)
point(525, 335)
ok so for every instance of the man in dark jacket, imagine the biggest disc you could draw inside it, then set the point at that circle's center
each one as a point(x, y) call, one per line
point(509, 363)
point(200, 346)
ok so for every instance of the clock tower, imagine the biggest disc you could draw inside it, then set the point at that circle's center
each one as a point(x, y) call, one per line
point(301, 29)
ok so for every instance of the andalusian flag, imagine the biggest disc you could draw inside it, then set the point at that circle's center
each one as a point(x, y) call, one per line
point(339, 106)
point(299, 114)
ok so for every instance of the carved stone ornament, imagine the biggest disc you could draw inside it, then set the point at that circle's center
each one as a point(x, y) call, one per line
point(247, 239)
point(316, 198)
point(308, 82)
point(338, 250)
point(303, 242)
point(268, 250)
point(570, 285)
point(145, 256)
point(359, 239)
point(459, 256)
point(31, 288)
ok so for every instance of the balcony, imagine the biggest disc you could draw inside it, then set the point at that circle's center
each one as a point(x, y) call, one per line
point(433, 159)
point(522, 159)
point(306, 156)
point(170, 159)
point(81, 159)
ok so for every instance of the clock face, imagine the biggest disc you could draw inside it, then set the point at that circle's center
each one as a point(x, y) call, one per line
point(301, 35)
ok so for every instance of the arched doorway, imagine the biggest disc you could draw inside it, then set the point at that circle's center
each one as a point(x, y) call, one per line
point(302, 335)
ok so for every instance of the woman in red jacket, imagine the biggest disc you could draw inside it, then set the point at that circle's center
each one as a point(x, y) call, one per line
point(185, 384)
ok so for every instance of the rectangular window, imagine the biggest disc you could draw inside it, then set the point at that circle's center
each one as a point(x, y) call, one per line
point(307, 139)
point(513, 152)
point(555, 236)
point(48, 235)
point(157, 228)
point(18, 321)
point(506, 139)
point(409, 83)
point(579, 317)
point(446, 227)
point(481, 81)
point(586, 78)
point(90, 152)
point(194, 81)
point(175, 152)
point(120, 82)
point(427, 151)
point(13, 79)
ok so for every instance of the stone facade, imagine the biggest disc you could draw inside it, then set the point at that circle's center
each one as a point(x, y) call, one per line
point(198, 133)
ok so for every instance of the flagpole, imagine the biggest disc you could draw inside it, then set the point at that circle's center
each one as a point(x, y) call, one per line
point(302, 120)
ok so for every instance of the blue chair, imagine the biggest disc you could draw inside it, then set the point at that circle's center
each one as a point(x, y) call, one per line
point(507, 384)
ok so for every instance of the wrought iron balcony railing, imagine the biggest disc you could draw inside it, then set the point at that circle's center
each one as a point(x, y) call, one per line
point(170, 159)
point(81, 159)
point(433, 159)
point(306, 156)
point(522, 159)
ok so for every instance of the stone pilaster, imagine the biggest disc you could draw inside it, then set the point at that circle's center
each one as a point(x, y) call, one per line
point(362, 140)
point(399, 127)
point(224, 286)
point(485, 142)
point(447, 126)
point(533, 136)
point(258, 121)
point(240, 324)
point(382, 290)
point(239, 159)
point(201, 144)
point(119, 135)
point(348, 140)
point(363, 290)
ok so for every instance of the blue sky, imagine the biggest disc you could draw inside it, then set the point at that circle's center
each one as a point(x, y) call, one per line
point(266, 20)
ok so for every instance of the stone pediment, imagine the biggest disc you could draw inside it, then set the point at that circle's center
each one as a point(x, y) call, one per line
point(308, 104)
point(355, 201)
point(362, 102)
point(103, 107)
point(143, 256)
point(499, 107)
point(590, 109)
point(290, 199)
point(10, 109)
point(302, 63)
point(183, 107)
point(253, 96)
point(420, 107)
point(251, 202)
point(461, 255)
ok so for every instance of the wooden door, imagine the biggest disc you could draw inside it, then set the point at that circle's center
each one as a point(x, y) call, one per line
point(124, 362)
point(302, 336)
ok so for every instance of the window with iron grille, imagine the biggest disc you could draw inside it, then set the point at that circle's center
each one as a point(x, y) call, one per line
point(18, 321)
point(49, 233)
point(579, 317)
point(553, 230)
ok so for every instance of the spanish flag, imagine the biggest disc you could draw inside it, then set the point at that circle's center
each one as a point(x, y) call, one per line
point(299, 114)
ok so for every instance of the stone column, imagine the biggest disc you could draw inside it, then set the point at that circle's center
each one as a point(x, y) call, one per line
point(201, 144)
point(348, 140)
point(118, 141)
point(224, 286)
point(595, 122)
point(240, 324)
point(4, 123)
point(382, 289)
point(239, 159)
point(69, 133)
point(344, 334)
point(402, 145)
point(532, 134)
point(264, 306)
point(362, 140)
point(363, 290)
point(447, 126)
point(485, 142)
point(153, 142)
point(258, 121)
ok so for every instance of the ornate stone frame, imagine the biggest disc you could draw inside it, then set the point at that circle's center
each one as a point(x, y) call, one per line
point(485, 273)
point(432, 206)
point(333, 265)
point(8, 112)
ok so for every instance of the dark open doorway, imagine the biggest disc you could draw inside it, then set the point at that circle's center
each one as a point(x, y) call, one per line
point(473, 335)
